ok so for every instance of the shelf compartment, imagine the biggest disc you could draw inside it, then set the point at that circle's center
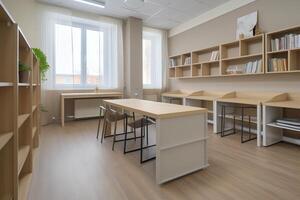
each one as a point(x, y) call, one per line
point(204, 55)
point(230, 50)
point(34, 129)
point(274, 124)
point(24, 185)
point(7, 171)
point(22, 156)
point(175, 60)
point(5, 138)
point(253, 45)
point(172, 72)
point(25, 58)
point(22, 119)
point(211, 69)
point(197, 70)
point(186, 59)
point(294, 60)
point(183, 72)
point(241, 61)
point(278, 55)
point(25, 103)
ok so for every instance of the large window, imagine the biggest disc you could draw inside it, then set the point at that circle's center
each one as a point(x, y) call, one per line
point(86, 56)
point(152, 59)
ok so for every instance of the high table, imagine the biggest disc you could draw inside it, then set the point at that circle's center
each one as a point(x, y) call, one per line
point(181, 136)
point(84, 95)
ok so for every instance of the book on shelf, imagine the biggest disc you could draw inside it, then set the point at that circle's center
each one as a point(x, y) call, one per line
point(173, 62)
point(278, 65)
point(187, 61)
point(288, 41)
point(290, 121)
point(215, 55)
point(251, 67)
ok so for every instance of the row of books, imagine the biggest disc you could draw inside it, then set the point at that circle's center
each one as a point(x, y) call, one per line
point(248, 68)
point(173, 62)
point(277, 65)
point(289, 41)
point(289, 123)
point(187, 61)
point(215, 55)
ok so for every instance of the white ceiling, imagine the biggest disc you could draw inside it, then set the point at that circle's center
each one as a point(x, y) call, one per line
point(164, 14)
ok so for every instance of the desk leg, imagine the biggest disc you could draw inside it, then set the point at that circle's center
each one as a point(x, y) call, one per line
point(181, 146)
point(108, 130)
point(258, 125)
point(62, 111)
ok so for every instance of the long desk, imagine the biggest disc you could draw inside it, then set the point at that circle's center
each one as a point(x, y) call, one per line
point(90, 95)
point(181, 136)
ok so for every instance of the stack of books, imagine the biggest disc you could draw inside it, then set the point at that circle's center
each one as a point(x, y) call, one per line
point(173, 62)
point(251, 67)
point(215, 55)
point(289, 41)
point(187, 61)
point(289, 123)
point(278, 65)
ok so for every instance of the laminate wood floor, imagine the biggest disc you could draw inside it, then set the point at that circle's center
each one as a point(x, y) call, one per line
point(72, 165)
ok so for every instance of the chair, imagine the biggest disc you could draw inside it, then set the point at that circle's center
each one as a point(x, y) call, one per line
point(143, 124)
point(235, 117)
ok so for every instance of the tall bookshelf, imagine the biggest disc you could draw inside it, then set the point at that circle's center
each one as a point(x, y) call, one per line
point(289, 53)
point(19, 128)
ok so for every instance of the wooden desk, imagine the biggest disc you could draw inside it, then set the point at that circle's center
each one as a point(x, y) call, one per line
point(90, 95)
point(251, 98)
point(181, 136)
point(285, 107)
point(174, 95)
point(207, 99)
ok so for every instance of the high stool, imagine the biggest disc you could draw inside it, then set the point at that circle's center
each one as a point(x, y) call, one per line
point(143, 124)
point(242, 117)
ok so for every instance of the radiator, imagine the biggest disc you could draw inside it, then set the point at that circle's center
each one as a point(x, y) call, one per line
point(86, 108)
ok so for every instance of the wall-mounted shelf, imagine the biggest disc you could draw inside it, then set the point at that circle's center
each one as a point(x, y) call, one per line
point(283, 51)
point(237, 58)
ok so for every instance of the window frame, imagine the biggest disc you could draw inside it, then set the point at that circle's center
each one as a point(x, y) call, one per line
point(83, 75)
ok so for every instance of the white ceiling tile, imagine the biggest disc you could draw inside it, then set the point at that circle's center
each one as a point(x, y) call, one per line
point(155, 13)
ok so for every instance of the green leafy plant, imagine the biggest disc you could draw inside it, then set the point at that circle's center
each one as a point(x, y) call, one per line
point(44, 66)
point(23, 67)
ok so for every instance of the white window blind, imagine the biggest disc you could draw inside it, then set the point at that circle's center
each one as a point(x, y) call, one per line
point(152, 59)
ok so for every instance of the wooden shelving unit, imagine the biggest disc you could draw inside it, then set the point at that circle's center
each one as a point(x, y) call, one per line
point(19, 105)
point(236, 54)
point(290, 53)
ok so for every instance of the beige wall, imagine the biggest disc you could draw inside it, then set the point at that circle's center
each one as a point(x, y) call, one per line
point(273, 15)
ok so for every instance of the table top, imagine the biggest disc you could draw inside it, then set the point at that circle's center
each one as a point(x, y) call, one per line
point(154, 109)
point(285, 104)
point(91, 94)
point(203, 97)
point(174, 95)
point(247, 101)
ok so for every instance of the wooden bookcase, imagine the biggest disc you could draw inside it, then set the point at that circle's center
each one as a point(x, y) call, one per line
point(241, 52)
point(290, 54)
point(236, 53)
point(18, 118)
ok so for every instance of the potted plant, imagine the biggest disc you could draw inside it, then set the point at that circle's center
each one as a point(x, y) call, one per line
point(24, 73)
point(44, 66)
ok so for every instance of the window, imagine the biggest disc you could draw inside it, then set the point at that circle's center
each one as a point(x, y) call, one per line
point(152, 59)
point(86, 56)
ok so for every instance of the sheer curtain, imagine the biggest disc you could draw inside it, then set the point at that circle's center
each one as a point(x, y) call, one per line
point(154, 58)
point(82, 53)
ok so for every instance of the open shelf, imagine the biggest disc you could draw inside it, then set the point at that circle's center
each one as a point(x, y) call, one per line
point(22, 156)
point(274, 124)
point(22, 118)
point(4, 138)
point(281, 48)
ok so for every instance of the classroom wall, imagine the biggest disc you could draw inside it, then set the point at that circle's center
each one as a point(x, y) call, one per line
point(273, 15)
